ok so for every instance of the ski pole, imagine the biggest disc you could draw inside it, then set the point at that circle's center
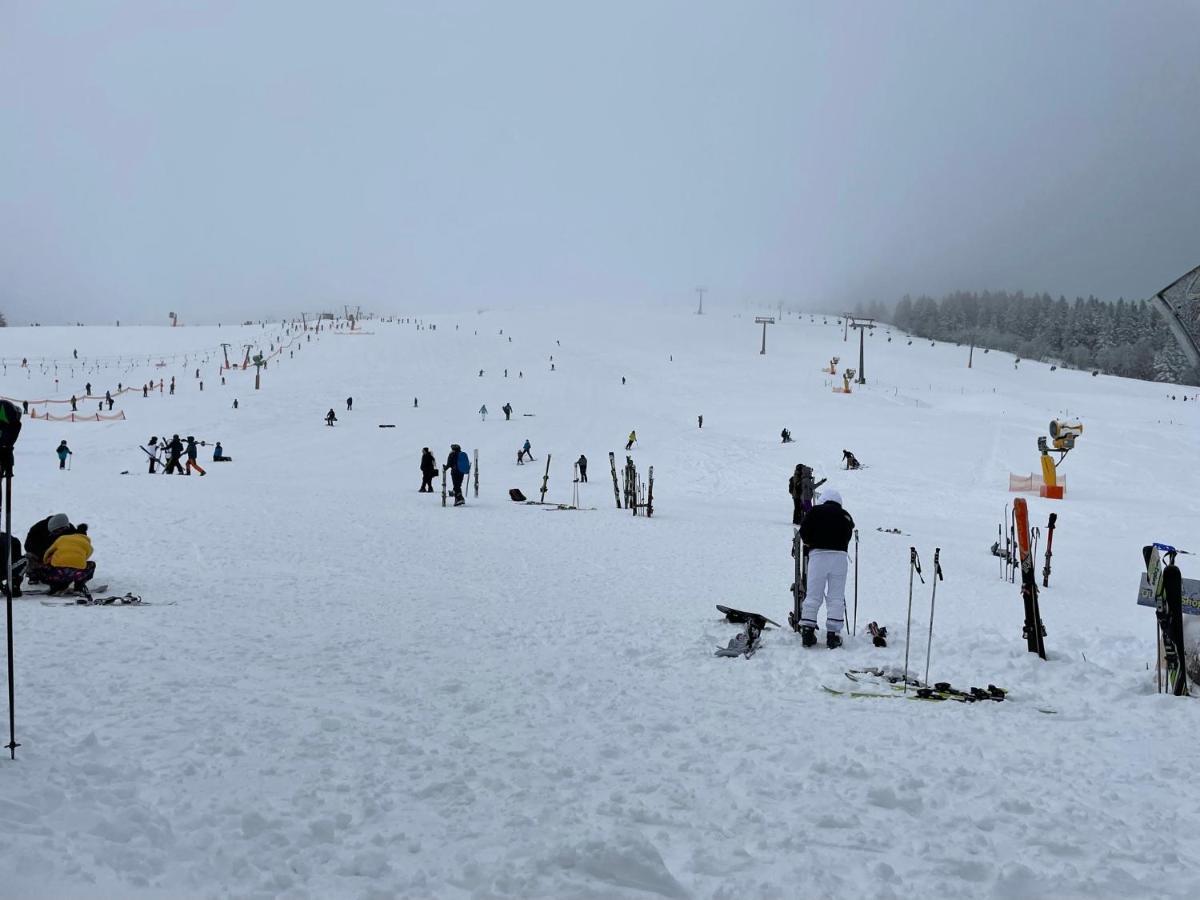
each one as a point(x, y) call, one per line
point(854, 619)
point(937, 573)
point(914, 565)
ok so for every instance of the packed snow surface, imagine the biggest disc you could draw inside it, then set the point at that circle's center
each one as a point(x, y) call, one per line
point(346, 690)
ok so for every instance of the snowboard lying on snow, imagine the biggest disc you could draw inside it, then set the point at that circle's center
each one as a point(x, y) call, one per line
point(748, 641)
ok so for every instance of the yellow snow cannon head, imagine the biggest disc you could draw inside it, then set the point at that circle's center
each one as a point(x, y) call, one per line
point(1064, 433)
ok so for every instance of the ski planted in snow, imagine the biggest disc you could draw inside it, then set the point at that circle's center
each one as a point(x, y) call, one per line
point(612, 462)
point(800, 580)
point(1034, 631)
point(1049, 545)
point(1166, 583)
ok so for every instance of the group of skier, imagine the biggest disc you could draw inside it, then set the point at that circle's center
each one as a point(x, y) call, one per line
point(176, 451)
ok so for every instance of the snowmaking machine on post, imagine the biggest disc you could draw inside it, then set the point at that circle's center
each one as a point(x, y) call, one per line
point(1062, 442)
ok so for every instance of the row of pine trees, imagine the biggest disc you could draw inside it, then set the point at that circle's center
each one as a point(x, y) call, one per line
point(1121, 338)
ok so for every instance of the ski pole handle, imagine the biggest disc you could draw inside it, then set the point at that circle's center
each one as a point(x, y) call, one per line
point(937, 566)
point(915, 562)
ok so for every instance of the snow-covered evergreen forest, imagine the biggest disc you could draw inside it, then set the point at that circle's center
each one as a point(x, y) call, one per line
point(1123, 338)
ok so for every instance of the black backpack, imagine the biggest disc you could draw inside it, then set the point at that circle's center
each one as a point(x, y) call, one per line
point(516, 495)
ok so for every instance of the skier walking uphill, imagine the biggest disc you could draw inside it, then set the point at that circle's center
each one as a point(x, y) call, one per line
point(632, 440)
point(63, 452)
point(192, 453)
point(429, 471)
point(349, 404)
point(826, 533)
point(507, 408)
point(458, 464)
point(174, 451)
point(483, 412)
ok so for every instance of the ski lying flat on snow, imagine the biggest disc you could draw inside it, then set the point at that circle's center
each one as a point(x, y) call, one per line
point(893, 686)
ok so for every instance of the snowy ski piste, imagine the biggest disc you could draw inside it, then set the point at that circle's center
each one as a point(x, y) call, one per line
point(340, 687)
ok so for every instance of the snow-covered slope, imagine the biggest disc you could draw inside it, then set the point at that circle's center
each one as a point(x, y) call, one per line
point(359, 692)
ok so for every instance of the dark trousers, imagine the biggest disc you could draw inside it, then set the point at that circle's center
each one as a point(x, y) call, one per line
point(583, 473)
point(457, 478)
point(427, 482)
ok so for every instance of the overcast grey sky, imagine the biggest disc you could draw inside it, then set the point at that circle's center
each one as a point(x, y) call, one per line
point(226, 159)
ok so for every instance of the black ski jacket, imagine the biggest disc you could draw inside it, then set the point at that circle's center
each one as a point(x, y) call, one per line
point(827, 527)
point(428, 465)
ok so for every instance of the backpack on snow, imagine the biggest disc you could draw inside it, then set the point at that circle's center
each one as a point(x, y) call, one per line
point(464, 462)
point(515, 495)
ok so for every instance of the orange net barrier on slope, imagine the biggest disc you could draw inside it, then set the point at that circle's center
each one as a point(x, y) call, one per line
point(78, 417)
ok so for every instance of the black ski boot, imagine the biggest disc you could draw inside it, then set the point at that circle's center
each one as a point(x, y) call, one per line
point(833, 640)
point(808, 636)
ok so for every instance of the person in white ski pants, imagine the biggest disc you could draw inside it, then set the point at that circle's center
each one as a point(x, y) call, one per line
point(826, 584)
point(826, 532)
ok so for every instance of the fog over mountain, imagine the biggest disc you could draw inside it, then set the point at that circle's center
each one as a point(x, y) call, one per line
point(228, 160)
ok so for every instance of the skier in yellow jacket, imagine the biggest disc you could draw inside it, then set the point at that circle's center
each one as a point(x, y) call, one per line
point(68, 562)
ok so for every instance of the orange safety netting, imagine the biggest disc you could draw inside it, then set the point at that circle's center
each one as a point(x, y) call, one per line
point(78, 417)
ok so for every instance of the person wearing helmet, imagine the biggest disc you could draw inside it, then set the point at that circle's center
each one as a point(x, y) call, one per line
point(826, 532)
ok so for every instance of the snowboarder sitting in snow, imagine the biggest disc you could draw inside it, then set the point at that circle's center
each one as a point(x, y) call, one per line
point(826, 532)
point(219, 454)
point(39, 539)
point(458, 464)
point(63, 452)
point(68, 562)
point(330, 417)
point(429, 471)
point(850, 460)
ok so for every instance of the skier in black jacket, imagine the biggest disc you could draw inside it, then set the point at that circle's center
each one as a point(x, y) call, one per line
point(174, 451)
point(826, 532)
point(455, 474)
point(429, 471)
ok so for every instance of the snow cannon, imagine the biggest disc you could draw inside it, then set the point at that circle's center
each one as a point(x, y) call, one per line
point(1063, 435)
point(847, 375)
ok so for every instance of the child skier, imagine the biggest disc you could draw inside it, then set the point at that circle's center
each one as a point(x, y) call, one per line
point(63, 452)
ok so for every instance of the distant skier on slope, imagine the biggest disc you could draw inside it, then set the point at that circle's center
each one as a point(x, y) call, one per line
point(349, 404)
point(526, 451)
point(63, 452)
point(786, 435)
point(826, 533)
point(850, 460)
point(632, 440)
point(483, 412)
point(330, 417)
point(582, 463)
point(507, 410)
